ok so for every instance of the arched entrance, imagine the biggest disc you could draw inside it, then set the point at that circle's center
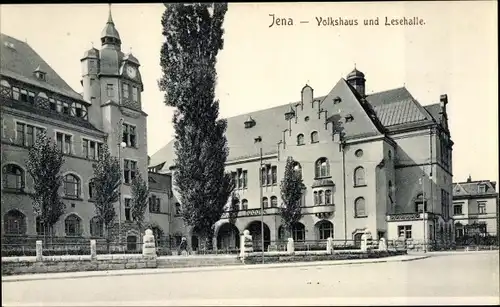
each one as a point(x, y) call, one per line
point(255, 231)
point(228, 237)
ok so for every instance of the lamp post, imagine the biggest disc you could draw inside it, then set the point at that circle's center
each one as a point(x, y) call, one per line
point(259, 140)
point(120, 146)
point(424, 203)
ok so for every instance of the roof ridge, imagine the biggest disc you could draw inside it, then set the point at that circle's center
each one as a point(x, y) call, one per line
point(388, 90)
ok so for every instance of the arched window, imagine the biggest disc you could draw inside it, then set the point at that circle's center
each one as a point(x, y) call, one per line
point(359, 176)
point(420, 203)
point(316, 198)
point(322, 168)
point(274, 201)
point(325, 229)
point(300, 139)
point(14, 223)
point(298, 232)
point(71, 186)
point(357, 239)
point(244, 204)
point(96, 227)
point(265, 202)
point(91, 189)
point(314, 137)
point(359, 207)
point(72, 225)
point(328, 197)
point(13, 177)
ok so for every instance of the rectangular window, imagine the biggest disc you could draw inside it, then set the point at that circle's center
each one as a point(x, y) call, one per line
point(481, 208)
point(24, 95)
point(15, 93)
point(21, 128)
point(64, 142)
point(78, 110)
point(154, 204)
point(110, 90)
point(128, 208)
point(240, 178)
point(134, 94)
point(178, 209)
point(405, 231)
point(129, 170)
point(125, 91)
point(129, 135)
point(65, 108)
point(269, 175)
point(31, 97)
point(29, 135)
point(53, 104)
point(67, 144)
point(92, 150)
point(85, 148)
point(457, 209)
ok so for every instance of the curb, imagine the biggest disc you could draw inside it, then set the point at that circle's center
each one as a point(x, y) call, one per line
point(66, 275)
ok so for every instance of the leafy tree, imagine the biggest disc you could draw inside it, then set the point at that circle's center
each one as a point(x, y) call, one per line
point(291, 192)
point(106, 185)
point(44, 163)
point(139, 201)
point(233, 208)
point(188, 57)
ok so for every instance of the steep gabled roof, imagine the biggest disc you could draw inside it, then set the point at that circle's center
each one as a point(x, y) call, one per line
point(387, 110)
point(397, 107)
point(19, 61)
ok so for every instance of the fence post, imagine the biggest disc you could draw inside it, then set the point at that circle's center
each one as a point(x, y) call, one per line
point(93, 250)
point(39, 250)
point(329, 245)
point(290, 248)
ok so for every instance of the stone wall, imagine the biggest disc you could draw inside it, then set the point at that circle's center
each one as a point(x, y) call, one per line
point(55, 264)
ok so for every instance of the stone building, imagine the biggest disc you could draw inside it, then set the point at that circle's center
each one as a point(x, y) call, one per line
point(475, 208)
point(368, 161)
point(35, 98)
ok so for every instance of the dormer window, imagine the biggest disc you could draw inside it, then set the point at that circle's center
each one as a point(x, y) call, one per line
point(482, 188)
point(40, 74)
point(349, 118)
point(250, 122)
point(336, 100)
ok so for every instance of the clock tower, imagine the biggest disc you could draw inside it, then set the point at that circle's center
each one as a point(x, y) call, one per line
point(112, 83)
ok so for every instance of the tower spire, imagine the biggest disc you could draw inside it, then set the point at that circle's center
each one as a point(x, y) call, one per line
point(110, 17)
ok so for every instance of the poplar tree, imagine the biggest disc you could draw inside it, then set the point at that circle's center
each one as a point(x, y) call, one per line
point(105, 186)
point(44, 163)
point(139, 201)
point(291, 192)
point(193, 37)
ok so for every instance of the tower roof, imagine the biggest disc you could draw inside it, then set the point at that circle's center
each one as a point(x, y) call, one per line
point(91, 53)
point(110, 31)
point(355, 74)
point(131, 58)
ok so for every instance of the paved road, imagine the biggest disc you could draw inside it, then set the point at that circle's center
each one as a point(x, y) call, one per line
point(466, 275)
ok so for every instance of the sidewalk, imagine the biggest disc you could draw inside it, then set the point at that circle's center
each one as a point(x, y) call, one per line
point(43, 276)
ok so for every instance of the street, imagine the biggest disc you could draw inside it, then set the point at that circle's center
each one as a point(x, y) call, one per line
point(440, 276)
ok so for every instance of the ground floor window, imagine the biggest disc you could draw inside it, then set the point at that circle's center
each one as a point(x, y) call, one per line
point(325, 229)
point(404, 231)
point(298, 232)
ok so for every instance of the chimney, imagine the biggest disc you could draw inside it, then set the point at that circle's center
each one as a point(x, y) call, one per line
point(469, 179)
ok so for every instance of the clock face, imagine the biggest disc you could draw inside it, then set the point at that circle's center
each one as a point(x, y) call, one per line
point(131, 71)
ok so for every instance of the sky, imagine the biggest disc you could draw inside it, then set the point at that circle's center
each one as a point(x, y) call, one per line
point(455, 53)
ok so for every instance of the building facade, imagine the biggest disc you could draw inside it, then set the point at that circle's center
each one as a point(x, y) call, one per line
point(35, 98)
point(369, 162)
point(475, 209)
